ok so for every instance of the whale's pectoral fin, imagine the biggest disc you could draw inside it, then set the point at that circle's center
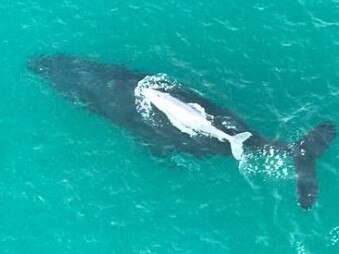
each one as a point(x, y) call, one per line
point(237, 144)
point(305, 152)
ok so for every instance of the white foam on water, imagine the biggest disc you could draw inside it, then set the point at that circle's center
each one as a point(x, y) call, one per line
point(300, 247)
point(334, 235)
point(297, 244)
point(228, 125)
point(271, 164)
point(144, 106)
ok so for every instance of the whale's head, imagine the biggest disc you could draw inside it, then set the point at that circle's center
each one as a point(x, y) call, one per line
point(55, 69)
point(41, 65)
point(50, 66)
point(66, 73)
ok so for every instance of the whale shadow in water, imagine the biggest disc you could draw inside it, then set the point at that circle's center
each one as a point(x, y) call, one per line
point(109, 90)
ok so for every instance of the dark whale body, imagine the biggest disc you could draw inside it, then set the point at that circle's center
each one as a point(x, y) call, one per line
point(109, 91)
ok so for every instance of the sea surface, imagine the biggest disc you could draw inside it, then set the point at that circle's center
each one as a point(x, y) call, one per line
point(72, 182)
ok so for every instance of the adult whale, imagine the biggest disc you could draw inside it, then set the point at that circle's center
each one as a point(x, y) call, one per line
point(167, 116)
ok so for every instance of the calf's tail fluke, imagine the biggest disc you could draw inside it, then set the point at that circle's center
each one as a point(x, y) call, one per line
point(236, 143)
point(305, 152)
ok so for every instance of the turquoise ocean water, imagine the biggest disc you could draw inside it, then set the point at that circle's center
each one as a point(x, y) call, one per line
point(71, 182)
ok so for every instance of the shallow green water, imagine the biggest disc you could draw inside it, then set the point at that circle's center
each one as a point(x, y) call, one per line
point(71, 182)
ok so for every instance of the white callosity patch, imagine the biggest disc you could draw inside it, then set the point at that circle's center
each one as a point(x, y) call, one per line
point(189, 118)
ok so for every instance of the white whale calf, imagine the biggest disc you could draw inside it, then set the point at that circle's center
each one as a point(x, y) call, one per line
point(193, 120)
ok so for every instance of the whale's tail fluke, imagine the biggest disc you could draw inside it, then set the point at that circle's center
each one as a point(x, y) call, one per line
point(305, 152)
point(236, 143)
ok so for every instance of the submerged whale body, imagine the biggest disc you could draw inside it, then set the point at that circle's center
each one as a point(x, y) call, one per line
point(167, 116)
